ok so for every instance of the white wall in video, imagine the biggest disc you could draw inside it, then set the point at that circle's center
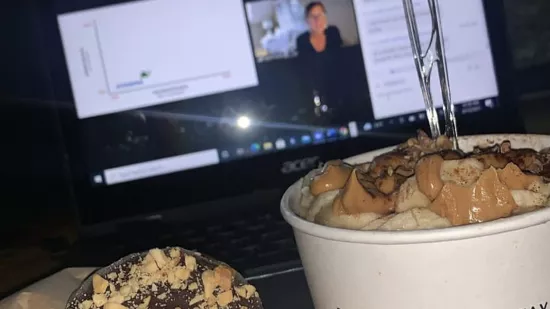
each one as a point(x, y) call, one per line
point(145, 53)
point(276, 25)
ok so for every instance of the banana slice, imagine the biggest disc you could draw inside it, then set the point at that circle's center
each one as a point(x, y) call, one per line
point(350, 222)
point(376, 224)
point(525, 198)
point(415, 219)
point(428, 219)
point(410, 196)
point(306, 199)
point(321, 201)
point(463, 172)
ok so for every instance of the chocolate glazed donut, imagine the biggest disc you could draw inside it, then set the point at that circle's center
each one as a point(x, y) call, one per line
point(168, 278)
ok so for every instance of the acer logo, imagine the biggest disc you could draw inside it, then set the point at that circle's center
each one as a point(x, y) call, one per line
point(300, 165)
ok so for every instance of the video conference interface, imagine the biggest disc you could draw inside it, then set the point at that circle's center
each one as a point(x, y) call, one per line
point(170, 85)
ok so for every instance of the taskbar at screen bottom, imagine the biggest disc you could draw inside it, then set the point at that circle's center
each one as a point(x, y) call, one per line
point(208, 157)
point(351, 130)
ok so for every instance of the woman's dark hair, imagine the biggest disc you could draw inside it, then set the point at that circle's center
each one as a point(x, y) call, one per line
point(313, 4)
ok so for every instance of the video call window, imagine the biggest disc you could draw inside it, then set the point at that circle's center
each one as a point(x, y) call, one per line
point(281, 29)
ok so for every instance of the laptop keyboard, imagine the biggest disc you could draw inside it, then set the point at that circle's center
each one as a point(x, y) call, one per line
point(254, 244)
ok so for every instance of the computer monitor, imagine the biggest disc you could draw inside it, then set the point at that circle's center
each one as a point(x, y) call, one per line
point(182, 101)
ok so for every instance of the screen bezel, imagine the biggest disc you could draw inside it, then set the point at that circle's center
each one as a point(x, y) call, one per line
point(533, 80)
point(149, 196)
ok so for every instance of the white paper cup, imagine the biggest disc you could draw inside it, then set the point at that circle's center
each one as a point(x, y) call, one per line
point(499, 265)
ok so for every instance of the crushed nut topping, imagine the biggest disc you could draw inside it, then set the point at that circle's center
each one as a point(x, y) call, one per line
point(169, 278)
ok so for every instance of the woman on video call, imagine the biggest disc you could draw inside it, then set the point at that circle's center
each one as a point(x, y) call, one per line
point(319, 54)
point(321, 37)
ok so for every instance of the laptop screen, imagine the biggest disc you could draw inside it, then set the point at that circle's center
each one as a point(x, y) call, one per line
point(166, 86)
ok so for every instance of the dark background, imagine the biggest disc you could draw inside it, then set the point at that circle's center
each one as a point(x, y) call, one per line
point(35, 186)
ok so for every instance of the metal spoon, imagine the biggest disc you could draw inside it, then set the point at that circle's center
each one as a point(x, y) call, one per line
point(435, 54)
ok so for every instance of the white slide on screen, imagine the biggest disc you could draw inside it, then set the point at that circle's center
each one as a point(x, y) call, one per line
point(393, 82)
point(145, 53)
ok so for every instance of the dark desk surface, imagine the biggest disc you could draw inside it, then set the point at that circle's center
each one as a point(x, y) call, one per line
point(288, 291)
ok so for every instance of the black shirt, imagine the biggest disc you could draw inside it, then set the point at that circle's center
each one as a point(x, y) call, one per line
point(334, 41)
point(320, 71)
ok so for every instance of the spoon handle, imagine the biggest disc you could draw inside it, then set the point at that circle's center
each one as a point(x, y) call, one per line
point(424, 62)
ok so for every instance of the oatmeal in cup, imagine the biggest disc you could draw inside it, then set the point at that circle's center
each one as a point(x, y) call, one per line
point(428, 228)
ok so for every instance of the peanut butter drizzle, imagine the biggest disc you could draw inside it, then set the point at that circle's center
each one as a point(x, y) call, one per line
point(487, 199)
point(428, 176)
point(333, 178)
point(386, 184)
point(515, 179)
point(354, 199)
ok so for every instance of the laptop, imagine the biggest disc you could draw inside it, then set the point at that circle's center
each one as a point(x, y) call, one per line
point(191, 117)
